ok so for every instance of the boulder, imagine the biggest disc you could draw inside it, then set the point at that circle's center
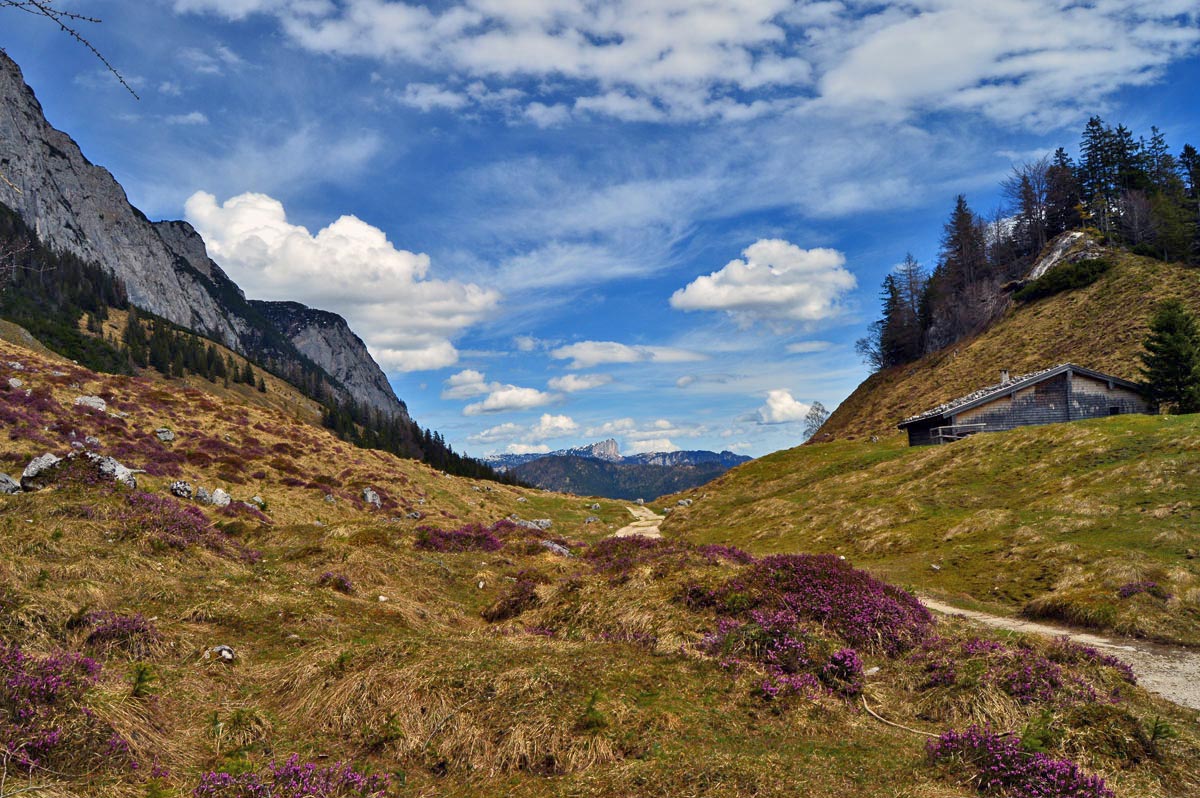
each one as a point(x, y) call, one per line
point(164, 434)
point(203, 496)
point(522, 499)
point(684, 502)
point(556, 548)
point(594, 507)
point(220, 654)
point(92, 442)
point(15, 383)
point(38, 474)
point(181, 489)
point(8, 485)
point(329, 498)
point(372, 498)
point(542, 523)
point(591, 519)
point(414, 515)
point(94, 402)
point(15, 366)
point(220, 498)
point(110, 468)
point(640, 502)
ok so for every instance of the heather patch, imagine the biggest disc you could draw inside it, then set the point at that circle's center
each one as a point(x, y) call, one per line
point(996, 764)
point(108, 631)
point(339, 582)
point(1131, 589)
point(823, 589)
point(472, 537)
point(43, 721)
point(170, 524)
point(291, 779)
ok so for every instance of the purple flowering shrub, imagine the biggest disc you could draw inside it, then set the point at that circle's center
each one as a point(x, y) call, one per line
point(244, 510)
point(291, 779)
point(1000, 766)
point(1131, 589)
point(1024, 672)
point(339, 582)
point(521, 596)
point(168, 523)
point(619, 556)
point(43, 722)
point(858, 608)
point(472, 537)
point(108, 631)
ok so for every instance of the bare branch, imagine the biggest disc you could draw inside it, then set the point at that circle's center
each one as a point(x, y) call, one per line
point(66, 21)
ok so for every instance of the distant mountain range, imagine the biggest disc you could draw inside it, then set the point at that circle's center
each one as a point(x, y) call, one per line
point(600, 470)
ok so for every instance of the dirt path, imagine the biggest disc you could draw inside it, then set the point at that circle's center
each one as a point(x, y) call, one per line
point(646, 525)
point(1169, 671)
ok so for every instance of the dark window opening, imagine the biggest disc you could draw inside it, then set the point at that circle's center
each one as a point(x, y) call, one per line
point(1114, 411)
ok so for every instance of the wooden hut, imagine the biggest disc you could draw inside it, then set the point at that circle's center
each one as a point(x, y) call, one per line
point(1063, 393)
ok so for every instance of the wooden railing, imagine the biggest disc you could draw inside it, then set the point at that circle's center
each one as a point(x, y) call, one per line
point(954, 432)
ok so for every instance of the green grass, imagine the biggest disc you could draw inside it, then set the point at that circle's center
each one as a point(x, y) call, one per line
point(1071, 511)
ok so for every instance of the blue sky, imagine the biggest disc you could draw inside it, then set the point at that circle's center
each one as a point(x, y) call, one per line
point(555, 221)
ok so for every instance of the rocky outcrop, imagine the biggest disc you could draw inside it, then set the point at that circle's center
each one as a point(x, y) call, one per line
point(326, 339)
point(76, 206)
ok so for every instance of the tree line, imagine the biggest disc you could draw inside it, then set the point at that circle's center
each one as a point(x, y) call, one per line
point(1125, 191)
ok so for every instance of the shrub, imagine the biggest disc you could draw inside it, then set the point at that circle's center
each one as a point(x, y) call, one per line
point(1131, 589)
point(822, 588)
point(132, 634)
point(520, 597)
point(472, 537)
point(1065, 277)
point(166, 522)
point(338, 582)
point(294, 780)
point(1002, 767)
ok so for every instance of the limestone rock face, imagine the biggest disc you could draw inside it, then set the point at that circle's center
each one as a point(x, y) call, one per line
point(79, 207)
point(328, 341)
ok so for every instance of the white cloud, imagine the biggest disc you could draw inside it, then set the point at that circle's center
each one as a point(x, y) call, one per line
point(503, 432)
point(609, 429)
point(573, 383)
point(586, 354)
point(1014, 60)
point(777, 282)
point(549, 426)
point(506, 398)
point(406, 317)
point(528, 448)
point(807, 347)
point(170, 88)
point(651, 445)
point(191, 118)
point(782, 408)
point(466, 384)
point(427, 97)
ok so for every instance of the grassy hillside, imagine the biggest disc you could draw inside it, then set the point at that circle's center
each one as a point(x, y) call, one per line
point(1052, 520)
point(449, 659)
point(1101, 326)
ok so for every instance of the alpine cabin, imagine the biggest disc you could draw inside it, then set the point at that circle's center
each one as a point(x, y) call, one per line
point(1063, 393)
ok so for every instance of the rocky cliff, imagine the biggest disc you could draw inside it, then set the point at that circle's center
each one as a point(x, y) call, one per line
point(328, 341)
point(78, 207)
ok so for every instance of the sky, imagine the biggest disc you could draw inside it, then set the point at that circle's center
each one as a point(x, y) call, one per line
point(558, 221)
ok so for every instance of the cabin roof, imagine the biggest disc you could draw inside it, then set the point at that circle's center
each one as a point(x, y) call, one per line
point(1014, 384)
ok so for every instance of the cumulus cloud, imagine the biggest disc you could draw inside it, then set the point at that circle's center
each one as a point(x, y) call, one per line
point(466, 384)
point(782, 408)
point(549, 426)
point(777, 282)
point(586, 354)
point(677, 60)
point(651, 445)
point(427, 97)
point(527, 448)
point(530, 436)
point(573, 383)
point(507, 398)
point(407, 318)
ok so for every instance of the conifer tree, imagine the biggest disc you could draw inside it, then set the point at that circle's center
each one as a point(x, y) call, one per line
point(1171, 362)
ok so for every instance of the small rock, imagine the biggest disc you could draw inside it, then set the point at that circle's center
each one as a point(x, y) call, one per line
point(164, 434)
point(258, 500)
point(15, 383)
point(414, 515)
point(684, 502)
point(481, 584)
point(15, 366)
point(203, 496)
point(935, 567)
point(522, 499)
point(94, 402)
point(220, 498)
point(221, 654)
point(556, 548)
point(36, 474)
point(594, 507)
point(382, 599)
point(591, 519)
point(477, 489)
point(76, 444)
point(421, 501)
point(8, 485)
point(543, 523)
point(640, 502)
point(92, 442)
point(372, 498)
point(181, 489)
point(329, 499)
point(109, 467)
point(871, 671)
